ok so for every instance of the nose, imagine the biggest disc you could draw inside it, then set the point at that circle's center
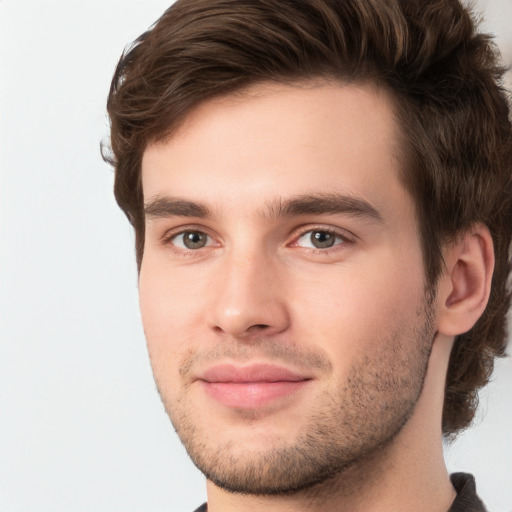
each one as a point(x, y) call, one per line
point(250, 297)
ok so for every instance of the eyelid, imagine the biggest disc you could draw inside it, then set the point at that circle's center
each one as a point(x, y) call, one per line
point(172, 233)
point(347, 236)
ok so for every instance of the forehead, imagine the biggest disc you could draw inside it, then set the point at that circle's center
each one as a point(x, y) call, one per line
point(275, 140)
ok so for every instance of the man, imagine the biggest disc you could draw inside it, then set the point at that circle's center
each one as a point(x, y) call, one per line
point(321, 195)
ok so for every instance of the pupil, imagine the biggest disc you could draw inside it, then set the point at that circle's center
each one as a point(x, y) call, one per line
point(194, 240)
point(322, 239)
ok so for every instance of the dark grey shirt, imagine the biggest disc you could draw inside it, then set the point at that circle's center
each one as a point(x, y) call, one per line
point(466, 500)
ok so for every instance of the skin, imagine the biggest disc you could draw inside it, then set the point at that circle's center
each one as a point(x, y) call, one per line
point(363, 432)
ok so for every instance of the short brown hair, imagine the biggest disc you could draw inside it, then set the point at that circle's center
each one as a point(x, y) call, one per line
point(444, 80)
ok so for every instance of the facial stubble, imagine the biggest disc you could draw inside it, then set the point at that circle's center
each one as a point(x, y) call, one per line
point(345, 429)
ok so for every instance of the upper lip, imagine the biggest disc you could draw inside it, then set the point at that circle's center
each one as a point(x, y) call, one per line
point(250, 373)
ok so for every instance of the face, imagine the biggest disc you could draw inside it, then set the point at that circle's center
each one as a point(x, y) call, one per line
point(282, 287)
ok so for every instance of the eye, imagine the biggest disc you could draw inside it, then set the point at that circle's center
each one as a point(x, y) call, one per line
point(190, 240)
point(320, 239)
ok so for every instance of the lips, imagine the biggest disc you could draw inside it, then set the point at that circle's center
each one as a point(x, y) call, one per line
point(251, 386)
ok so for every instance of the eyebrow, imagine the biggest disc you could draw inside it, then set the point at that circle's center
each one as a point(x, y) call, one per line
point(174, 207)
point(321, 204)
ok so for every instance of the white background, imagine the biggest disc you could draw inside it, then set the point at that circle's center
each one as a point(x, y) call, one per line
point(81, 426)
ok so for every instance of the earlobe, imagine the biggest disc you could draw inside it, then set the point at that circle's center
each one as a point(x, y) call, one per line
point(465, 284)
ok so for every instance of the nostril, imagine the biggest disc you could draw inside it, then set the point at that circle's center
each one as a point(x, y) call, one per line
point(260, 327)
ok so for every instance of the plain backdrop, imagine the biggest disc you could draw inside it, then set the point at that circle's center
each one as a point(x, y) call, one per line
point(81, 426)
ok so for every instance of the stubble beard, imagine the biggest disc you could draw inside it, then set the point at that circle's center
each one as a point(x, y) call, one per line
point(345, 430)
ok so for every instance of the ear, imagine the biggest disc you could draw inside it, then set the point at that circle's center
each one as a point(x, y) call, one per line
point(465, 284)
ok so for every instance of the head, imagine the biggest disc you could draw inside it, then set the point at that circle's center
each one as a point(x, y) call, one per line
point(440, 80)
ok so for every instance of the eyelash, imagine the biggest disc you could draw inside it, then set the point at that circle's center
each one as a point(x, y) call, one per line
point(346, 238)
point(168, 238)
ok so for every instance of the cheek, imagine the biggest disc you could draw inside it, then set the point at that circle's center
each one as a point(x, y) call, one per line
point(351, 310)
point(170, 311)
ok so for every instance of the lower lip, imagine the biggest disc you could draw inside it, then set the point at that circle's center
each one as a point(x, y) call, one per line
point(249, 395)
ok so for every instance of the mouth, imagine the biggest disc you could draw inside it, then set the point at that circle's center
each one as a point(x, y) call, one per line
point(252, 386)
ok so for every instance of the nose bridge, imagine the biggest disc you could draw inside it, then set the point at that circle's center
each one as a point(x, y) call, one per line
point(248, 297)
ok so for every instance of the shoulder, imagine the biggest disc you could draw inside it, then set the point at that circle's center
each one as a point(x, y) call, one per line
point(467, 499)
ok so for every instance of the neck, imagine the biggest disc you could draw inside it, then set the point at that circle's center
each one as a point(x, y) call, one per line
point(407, 474)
